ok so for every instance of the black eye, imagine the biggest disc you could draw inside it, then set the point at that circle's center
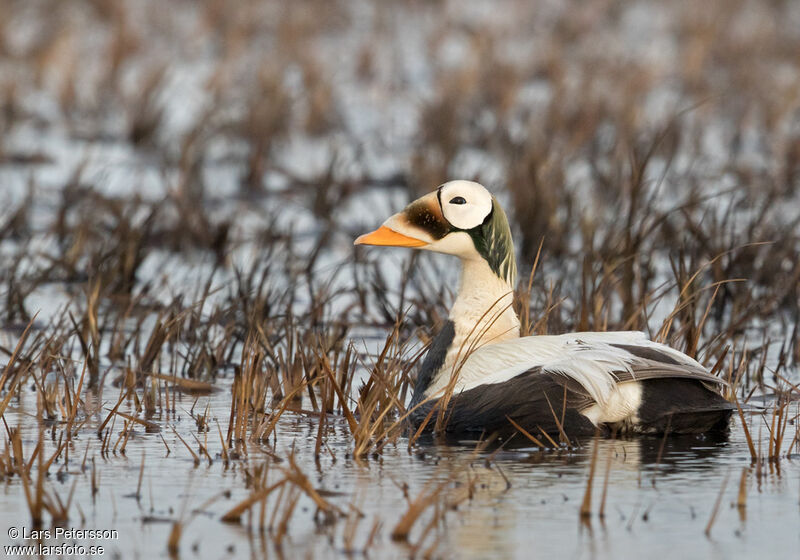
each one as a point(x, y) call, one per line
point(458, 200)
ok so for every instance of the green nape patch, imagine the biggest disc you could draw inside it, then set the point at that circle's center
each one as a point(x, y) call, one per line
point(494, 243)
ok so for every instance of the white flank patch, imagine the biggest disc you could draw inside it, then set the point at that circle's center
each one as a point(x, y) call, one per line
point(622, 404)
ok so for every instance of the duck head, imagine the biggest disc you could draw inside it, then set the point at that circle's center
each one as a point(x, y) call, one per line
point(459, 218)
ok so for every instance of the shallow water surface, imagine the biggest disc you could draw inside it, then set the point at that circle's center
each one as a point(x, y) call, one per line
point(508, 501)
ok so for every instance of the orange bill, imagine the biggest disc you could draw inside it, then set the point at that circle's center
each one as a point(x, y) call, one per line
point(385, 236)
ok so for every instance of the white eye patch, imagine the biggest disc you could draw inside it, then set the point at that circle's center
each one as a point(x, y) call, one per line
point(465, 204)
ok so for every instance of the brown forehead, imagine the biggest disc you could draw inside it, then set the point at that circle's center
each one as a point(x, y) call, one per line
point(426, 214)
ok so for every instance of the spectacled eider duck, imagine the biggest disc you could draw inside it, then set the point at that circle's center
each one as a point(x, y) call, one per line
point(481, 370)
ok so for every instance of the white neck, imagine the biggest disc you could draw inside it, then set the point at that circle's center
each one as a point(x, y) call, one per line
point(482, 314)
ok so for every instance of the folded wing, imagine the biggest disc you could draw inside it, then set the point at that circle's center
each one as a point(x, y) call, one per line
point(597, 362)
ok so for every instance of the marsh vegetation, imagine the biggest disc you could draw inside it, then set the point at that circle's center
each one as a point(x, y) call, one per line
point(195, 354)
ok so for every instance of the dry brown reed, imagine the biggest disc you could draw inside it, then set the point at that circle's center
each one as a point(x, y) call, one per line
point(586, 505)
